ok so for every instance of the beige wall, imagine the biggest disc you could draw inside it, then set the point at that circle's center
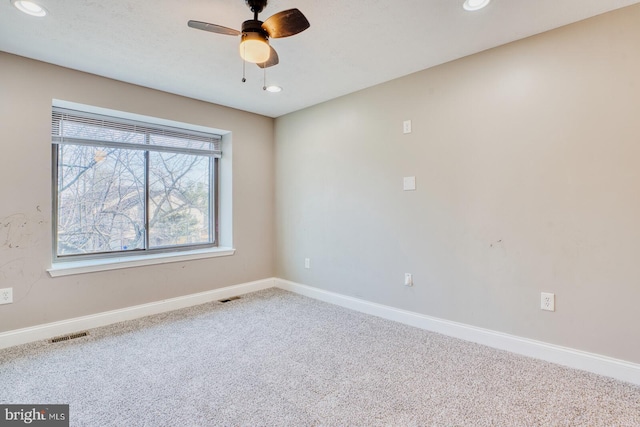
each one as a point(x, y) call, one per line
point(527, 159)
point(26, 90)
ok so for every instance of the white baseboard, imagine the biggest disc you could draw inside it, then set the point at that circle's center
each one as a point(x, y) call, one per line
point(602, 365)
point(49, 330)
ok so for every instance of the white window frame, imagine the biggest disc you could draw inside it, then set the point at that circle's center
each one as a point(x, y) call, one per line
point(221, 209)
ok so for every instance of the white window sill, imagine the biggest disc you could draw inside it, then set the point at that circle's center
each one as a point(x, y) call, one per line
point(94, 265)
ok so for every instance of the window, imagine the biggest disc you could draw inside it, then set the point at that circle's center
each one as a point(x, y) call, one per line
point(123, 187)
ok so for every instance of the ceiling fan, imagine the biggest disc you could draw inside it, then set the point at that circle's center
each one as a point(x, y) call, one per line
point(254, 44)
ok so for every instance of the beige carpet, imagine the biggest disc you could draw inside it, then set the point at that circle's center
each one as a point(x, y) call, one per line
point(275, 358)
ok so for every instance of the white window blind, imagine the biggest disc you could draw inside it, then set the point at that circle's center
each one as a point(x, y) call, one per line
point(82, 128)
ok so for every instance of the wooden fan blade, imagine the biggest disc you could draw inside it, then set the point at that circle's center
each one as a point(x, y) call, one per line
point(219, 29)
point(285, 24)
point(273, 59)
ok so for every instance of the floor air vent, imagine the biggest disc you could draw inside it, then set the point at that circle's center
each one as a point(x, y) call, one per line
point(228, 299)
point(68, 337)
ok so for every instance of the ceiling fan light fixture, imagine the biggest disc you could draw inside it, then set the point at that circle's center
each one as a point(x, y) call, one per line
point(274, 89)
point(472, 5)
point(30, 8)
point(254, 47)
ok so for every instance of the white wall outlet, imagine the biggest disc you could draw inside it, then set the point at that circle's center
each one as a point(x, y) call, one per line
point(408, 279)
point(6, 296)
point(406, 126)
point(548, 301)
point(307, 263)
point(409, 183)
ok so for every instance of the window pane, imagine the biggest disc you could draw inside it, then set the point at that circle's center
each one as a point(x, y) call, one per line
point(100, 200)
point(179, 198)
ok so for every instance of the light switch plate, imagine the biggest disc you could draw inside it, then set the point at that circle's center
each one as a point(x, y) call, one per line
point(408, 279)
point(406, 126)
point(409, 183)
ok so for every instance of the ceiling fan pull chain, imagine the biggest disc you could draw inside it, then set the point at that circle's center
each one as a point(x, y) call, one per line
point(264, 79)
point(244, 66)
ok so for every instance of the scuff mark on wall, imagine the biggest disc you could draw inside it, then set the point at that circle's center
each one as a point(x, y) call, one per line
point(14, 231)
point(17, 230)
point(499, 241)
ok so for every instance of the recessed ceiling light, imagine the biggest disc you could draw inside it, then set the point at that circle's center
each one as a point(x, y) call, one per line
point(274, 89)
point(30, 8)
point(475, 4)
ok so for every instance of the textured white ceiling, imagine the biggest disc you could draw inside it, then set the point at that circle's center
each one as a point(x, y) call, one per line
point(351, 44)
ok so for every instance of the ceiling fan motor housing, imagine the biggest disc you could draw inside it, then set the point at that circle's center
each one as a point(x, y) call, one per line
point(254, 26)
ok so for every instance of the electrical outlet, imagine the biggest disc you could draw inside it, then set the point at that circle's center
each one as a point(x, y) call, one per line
point(6, 296)
point(548, 301)
point(406, 126)
point(307, 263)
